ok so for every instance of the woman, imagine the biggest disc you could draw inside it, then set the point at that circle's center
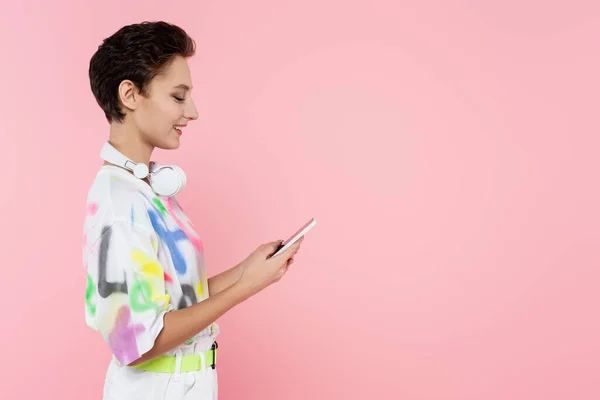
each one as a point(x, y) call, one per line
point(147, 290)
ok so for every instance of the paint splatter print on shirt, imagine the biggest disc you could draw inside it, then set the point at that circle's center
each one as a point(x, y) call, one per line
point(142, 258)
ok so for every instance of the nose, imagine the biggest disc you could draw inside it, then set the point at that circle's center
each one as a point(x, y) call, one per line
point(191, 112)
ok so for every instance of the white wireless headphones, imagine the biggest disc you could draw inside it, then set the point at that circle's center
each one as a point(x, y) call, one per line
point(165, 180)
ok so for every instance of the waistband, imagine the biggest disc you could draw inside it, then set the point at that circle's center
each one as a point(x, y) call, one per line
point(181, 363)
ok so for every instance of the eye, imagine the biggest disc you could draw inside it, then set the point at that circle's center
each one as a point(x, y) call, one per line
point(179, 99)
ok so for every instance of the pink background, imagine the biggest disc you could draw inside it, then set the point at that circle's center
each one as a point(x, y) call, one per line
point(449, 151)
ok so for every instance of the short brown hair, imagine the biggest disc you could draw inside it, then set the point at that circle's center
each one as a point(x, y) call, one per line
point(136, 52)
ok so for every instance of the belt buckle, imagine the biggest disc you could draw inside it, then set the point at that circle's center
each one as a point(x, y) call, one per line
point(214, 348)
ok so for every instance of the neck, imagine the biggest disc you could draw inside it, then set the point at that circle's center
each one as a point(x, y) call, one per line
point(128, 141)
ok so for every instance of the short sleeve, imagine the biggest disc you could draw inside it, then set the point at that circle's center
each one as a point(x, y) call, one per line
point(126, 298)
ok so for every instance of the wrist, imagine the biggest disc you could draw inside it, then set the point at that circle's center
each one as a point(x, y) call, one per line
point(239, 271)
point(241, 290)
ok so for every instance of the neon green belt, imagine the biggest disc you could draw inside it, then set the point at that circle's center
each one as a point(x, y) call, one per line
point(190, 362)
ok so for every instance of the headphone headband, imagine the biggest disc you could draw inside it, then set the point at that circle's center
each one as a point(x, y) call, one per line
point(114, 156)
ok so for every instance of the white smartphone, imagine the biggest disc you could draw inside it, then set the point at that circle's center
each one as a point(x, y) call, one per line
point(294, 238)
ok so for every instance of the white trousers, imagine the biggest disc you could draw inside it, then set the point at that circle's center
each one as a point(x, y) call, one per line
point(125, 383)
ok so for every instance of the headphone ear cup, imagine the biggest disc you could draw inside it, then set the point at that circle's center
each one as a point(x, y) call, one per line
point(167, 180)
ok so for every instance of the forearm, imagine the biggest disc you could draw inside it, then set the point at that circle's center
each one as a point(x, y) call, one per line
point(179, 326)
point(220, 282)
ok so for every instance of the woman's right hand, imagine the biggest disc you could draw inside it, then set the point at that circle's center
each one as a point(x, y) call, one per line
point(259, 270)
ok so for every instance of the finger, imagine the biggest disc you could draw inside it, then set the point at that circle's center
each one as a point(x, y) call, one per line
point(294, 248)
point(272, 247)
point(282, 272)
point(275, 244)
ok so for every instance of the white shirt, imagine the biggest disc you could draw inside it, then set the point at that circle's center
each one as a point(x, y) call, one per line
point(143, 258)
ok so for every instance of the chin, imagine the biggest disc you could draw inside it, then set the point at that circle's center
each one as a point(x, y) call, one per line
point(170, 144)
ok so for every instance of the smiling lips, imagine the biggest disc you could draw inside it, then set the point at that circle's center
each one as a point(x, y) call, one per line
point(179, 128)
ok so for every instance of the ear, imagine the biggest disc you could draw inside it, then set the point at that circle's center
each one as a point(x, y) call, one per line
point(129, 94)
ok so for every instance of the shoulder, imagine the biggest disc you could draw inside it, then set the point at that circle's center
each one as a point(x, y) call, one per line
point(114, 197)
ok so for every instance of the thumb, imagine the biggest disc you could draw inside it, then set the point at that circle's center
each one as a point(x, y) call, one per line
point(272, 247)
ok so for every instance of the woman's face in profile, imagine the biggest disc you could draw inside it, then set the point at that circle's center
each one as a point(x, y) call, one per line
point(168, 107)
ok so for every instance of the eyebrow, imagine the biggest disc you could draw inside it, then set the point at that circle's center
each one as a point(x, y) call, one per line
point(183, 86)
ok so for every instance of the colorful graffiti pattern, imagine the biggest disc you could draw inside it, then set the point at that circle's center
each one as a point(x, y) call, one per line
point(138, 267)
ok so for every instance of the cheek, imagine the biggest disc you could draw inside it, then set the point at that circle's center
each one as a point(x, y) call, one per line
point(170, 113)
point(159, 117)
